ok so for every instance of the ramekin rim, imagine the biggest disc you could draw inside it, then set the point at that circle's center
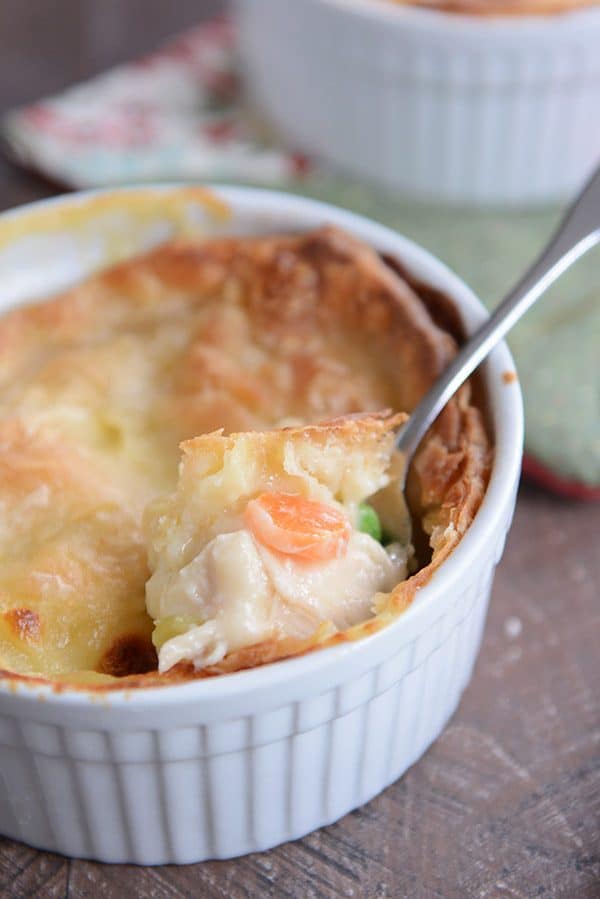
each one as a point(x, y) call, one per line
point(504, 475)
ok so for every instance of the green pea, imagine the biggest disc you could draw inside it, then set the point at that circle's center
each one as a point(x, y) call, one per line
point(368, 521)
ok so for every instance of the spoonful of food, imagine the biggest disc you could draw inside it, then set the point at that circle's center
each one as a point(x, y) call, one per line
point(578, 232)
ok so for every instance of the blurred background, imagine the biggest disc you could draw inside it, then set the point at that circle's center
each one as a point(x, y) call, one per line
point(46, 47)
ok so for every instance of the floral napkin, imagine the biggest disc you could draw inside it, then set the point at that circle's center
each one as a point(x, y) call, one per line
point(179, 115)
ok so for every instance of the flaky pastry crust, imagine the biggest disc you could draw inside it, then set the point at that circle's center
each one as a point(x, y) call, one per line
point(233, 333)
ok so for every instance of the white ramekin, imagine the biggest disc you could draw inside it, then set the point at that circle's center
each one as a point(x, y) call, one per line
point(218, 768)
point(437, 106)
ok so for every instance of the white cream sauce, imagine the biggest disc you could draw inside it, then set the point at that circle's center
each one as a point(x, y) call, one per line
point(244, 594)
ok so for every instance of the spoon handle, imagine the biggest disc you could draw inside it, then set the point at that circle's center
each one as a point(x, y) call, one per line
point(578, 232)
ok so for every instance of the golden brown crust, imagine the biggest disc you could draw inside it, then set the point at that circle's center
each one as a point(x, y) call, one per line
point(100, 384)
point(73, 563)
point(25, 623)
point(501, 7)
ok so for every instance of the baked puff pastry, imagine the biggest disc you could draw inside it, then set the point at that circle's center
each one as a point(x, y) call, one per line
point(262, 551)
point(73, 562)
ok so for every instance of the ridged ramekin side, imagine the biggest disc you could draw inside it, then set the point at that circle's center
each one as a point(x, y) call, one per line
point(226, 788)
point(436, 106)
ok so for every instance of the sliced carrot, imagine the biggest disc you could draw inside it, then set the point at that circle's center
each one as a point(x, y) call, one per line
point(295, 526)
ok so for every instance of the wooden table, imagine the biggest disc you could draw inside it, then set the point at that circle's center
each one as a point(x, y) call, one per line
point(507, 802)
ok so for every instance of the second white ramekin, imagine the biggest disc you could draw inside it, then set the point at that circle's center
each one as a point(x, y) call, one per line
point(437, 106)
point(240, 763)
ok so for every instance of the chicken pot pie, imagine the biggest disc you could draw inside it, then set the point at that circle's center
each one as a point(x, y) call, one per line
point(100, 384)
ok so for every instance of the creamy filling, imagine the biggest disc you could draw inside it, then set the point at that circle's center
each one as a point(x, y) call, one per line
point(236, 593)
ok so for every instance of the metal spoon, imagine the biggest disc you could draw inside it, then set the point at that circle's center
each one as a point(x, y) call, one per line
point(578, 232)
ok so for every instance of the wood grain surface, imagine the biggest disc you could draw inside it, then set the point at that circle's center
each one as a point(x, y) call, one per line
point(507, 802)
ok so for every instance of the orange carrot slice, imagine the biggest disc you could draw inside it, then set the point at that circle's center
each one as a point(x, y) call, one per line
point(299, 527)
